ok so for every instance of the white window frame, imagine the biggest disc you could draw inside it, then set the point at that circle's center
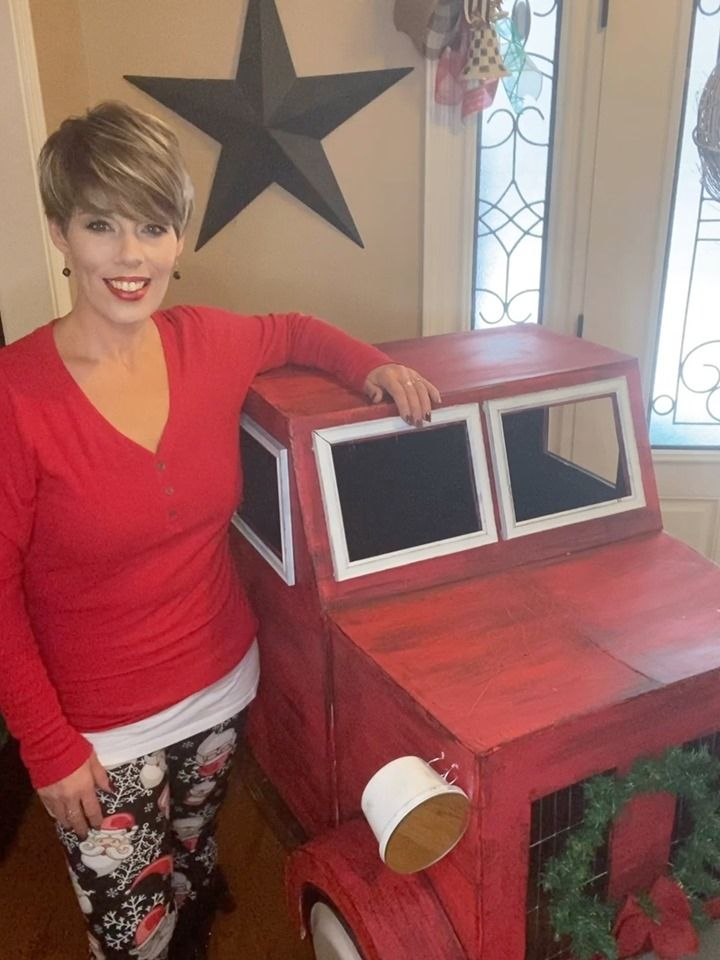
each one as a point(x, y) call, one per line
point(617, 388)
point(450, 172)
point(323, 441)
point(449, 215)
point(284, 566)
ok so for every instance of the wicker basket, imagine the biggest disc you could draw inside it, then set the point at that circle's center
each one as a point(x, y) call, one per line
point(707, 133)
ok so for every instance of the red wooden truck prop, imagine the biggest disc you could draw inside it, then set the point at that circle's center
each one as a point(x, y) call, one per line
point(494, 588)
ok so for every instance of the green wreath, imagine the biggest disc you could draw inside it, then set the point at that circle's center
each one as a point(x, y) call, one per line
point(693, 775)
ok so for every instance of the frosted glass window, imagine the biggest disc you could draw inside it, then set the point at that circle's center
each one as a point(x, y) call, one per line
point(513, 182)
point(685, 408)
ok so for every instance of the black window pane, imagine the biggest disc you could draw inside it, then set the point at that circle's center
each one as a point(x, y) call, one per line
point(261, 496)
point(405, 490)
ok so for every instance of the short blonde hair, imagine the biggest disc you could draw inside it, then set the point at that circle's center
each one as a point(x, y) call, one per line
point(115, 159)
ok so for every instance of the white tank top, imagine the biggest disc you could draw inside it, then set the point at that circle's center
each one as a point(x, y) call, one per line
point(200, 711)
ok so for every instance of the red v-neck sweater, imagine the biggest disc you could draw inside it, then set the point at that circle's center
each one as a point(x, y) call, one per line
point(118, 596)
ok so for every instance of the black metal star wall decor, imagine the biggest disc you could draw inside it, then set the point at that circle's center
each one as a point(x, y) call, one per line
point(270, 123)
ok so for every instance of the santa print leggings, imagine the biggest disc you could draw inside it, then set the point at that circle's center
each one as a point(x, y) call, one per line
point(155, 848)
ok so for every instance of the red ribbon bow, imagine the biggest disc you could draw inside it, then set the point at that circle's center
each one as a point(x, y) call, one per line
point(452, 88)
point(663, 924)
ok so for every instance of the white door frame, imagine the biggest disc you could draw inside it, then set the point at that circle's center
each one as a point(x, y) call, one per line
point(448, 215)
point(32, 288)
point(634, 172)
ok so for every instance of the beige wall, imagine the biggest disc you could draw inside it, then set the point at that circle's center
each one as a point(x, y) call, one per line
point(277, 254)
point(61, 58)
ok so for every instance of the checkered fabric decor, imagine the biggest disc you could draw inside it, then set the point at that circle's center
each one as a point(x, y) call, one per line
point(484, 59)
point(442, 27)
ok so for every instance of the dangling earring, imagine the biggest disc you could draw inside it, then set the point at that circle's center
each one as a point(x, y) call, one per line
point(66, 271)
point(176, 272)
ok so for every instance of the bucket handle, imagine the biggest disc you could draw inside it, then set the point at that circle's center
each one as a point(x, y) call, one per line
point(453, 766)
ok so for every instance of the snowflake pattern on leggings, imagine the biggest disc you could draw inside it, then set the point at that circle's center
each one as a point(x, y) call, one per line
point(127, 786)
point(119, 926)
point(147, 844)
point(154, 849)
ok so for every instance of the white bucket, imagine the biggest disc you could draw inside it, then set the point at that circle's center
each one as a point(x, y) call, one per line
point(416, 815)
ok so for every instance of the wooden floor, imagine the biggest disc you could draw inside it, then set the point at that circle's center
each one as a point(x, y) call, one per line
point(40, 920)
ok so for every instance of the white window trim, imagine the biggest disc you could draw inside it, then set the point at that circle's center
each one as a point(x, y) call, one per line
point(449, 215)
point(323, 441)
point(616, 387)
point(284, 566)
point(684, 455)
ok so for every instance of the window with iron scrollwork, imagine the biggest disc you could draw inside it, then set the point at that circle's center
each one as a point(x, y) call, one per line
point(513, 179)
point(685, 409)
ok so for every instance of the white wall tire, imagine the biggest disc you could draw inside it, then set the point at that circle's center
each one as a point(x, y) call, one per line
point(330, 939)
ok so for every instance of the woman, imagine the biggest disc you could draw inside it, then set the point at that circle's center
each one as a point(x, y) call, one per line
point(126, 640)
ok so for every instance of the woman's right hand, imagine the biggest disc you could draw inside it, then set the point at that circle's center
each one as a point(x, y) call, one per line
point(73, 801)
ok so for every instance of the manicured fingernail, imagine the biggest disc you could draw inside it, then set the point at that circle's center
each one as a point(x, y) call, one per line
point(428, 417)
point(409, 420)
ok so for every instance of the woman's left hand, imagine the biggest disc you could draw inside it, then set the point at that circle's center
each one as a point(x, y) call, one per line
point(411, 393)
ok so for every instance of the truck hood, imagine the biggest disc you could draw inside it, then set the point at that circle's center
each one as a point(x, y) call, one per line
point(500, 657)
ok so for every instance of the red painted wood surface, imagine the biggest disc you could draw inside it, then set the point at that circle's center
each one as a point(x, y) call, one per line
point(503, 860)
point(638, 854)
point(376, 720)
point(392, 917)
point(456, 363)
point(532, 663)
point(289, 724)
point(498, 658)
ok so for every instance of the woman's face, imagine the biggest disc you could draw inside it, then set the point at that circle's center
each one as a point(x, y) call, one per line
point(121, 266)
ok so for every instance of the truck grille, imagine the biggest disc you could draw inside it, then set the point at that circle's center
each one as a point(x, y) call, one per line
point(553, 820)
